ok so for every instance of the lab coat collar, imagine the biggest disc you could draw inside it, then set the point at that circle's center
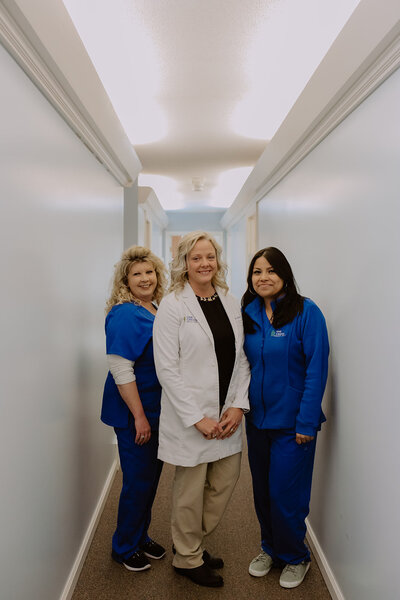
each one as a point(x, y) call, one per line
point(190, 300)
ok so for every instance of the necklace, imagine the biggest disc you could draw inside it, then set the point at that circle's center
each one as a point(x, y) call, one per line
point(150, 306)
point(208, 298)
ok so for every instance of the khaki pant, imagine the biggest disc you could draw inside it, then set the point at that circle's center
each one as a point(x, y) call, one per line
point(199, 498)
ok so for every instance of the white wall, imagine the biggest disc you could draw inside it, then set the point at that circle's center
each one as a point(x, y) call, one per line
point(152, 221)
point(157, 239)
point(336, 216)
point(133, 227)
point(193, 221)
point(61, 232)
point(236, 245)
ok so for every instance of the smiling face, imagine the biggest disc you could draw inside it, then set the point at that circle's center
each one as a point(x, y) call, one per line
point(266, 283)
point(142, 280)
point(202, 266)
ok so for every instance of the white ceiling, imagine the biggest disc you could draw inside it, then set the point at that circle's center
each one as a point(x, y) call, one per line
point(200, 86)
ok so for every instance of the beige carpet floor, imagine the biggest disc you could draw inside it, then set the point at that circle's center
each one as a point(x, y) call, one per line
point(236, 540)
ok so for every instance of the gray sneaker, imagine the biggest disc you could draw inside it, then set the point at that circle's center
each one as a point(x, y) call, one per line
point(260, 565)
point(293, 575)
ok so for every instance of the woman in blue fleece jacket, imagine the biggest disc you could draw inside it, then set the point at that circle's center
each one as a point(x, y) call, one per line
point(286, 343)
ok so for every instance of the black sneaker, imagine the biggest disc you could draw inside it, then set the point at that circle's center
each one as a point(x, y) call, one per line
point(202, 575)
point(137, 562)
point(153, 550)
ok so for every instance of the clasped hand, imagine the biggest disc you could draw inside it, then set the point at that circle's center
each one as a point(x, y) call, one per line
point(303, 439)
point(225, 428)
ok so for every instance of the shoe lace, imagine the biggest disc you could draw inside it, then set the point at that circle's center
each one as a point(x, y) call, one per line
point(291, 568)
point(262, 557)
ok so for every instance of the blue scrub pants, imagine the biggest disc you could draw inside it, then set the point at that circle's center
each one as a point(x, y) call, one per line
point(141, 472)
point(282, 472)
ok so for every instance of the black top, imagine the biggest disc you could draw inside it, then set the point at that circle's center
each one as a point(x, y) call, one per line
point(224, 341)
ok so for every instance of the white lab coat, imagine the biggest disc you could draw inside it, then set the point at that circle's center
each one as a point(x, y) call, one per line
point(187, 369)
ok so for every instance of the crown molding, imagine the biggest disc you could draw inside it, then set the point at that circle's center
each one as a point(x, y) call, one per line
point(280, 158)
point(365, 85)
point(23, 47)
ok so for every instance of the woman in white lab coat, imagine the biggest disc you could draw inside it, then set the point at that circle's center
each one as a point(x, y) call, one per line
point(200, 363)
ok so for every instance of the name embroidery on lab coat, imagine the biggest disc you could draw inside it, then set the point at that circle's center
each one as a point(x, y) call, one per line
point(278, 333)
point(190, 319)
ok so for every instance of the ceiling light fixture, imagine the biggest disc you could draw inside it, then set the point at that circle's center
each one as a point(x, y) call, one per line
point(198, 184)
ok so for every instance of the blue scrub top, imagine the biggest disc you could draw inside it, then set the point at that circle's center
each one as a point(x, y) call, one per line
point(129, 333)
point(289, 369)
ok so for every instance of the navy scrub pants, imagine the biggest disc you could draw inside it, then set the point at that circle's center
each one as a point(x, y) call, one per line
point(281, 471)
point(141, 472)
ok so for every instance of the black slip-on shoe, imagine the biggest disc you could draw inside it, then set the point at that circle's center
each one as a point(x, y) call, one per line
point(136, 562)
point(153, 550)
point(213, 562)
point(202, 575)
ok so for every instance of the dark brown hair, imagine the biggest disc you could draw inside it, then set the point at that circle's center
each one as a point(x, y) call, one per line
point(290, 305)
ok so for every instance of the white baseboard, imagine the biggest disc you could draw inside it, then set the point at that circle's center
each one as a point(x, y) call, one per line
point(87, 540)
point(326, 571)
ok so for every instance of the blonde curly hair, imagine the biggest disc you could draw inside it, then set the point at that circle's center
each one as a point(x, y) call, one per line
point(179, 269)
point(121, 292)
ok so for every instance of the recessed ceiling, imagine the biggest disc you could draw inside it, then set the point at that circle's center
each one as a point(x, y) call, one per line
point(200, 86)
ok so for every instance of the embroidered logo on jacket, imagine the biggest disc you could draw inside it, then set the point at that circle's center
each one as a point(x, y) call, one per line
point(278, 333)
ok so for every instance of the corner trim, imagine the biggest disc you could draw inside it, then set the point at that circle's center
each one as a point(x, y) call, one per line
point(21, 49)
point(87, 540)
point(326, 571)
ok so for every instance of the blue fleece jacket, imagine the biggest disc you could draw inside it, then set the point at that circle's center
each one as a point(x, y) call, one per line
point(289, 367)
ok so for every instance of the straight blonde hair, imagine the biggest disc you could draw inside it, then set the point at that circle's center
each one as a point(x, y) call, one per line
point(179, 268)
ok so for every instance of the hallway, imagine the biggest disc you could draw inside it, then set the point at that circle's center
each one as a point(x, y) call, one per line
point(74, 192)
point(236, 540)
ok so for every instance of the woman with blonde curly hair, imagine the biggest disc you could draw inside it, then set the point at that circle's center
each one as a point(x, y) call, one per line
point(198, 351)
point(131, 400)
